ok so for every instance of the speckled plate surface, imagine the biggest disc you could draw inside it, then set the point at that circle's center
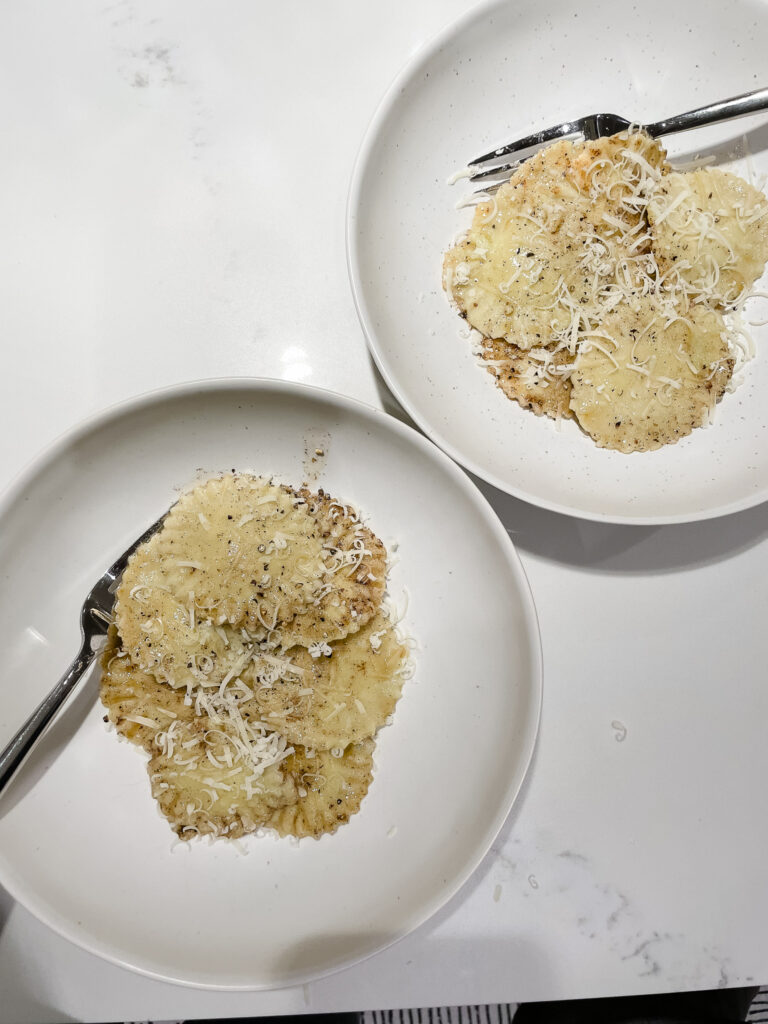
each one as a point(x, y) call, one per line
point(505, 70)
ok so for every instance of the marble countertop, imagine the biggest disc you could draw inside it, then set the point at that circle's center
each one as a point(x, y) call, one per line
point(173, 201)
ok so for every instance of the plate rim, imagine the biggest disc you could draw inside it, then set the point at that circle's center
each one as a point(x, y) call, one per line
point(156, 396)
point(412, 65)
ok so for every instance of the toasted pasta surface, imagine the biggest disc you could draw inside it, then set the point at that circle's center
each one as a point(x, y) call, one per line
point(331, 789)
point(536, 378)
point(353, 580)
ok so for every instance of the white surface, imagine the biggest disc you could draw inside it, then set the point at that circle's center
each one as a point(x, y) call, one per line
point(268, 912)
point(167, 231)
point(471, 89)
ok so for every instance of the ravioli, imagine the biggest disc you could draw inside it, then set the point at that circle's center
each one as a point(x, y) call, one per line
point(248, 549)
point(237, 685)
point(710, 230)
point(210, 799)
point(353, 578)
point(340, 697)
point(331, 789)
point(535, 249)
point(137, 704)
point(646, 383)
point(537, 378)
point(594, 252)
point(175, 642)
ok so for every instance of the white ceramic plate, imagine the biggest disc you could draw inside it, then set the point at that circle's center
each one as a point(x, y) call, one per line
point(503, 71)
point(82, 844)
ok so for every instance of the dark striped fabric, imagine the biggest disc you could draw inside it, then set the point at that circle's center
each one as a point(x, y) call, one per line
point(505, 1014)
point(758, 1011)
point(497, 1013)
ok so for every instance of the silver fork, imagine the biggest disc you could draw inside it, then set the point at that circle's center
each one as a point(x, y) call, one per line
point(95, 619)
point(595, 126)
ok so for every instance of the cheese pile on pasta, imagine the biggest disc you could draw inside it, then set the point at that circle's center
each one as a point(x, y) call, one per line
point(608, 287)
point(253, 658)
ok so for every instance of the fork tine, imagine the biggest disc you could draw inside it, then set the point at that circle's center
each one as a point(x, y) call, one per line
point(505, 169)
point(480, 194)
point(538, 139)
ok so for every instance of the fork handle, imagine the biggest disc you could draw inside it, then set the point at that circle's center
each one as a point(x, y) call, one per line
point(749, 103)
point(28, 735)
